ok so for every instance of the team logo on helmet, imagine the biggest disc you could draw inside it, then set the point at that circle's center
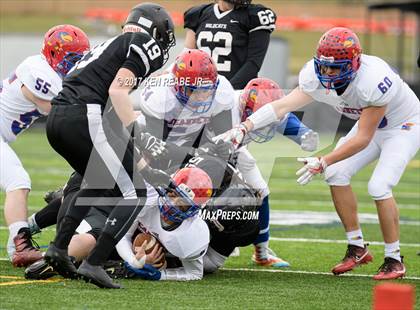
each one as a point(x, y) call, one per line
point(349, 42)
point(65, 36)
point(253, 95)
point(181, 65)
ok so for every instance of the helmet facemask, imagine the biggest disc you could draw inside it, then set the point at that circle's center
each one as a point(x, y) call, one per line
point(197, 99)
point(345, 72)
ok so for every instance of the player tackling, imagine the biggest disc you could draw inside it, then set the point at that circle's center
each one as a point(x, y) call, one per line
point(362, 87)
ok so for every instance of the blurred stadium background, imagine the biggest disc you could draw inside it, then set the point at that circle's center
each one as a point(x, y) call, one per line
point(386, 31)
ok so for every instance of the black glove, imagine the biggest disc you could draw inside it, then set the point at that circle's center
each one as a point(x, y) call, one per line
point(157, 178)
point(52, 195)
point(149, 145)
point(219, 148)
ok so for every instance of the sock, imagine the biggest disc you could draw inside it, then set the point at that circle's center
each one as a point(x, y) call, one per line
point(393, 250)
point(13, 231)
point(33, 225)
point(102, 249)
point(264, 222)
point(355, 237)
point(47, 216)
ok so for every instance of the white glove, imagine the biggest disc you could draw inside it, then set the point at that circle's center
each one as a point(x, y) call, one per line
point(313, 166)
point(235, 135)
point(309, 141)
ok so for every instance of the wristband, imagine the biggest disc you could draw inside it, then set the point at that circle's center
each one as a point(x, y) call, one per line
point(138, 263)
point(263, 117)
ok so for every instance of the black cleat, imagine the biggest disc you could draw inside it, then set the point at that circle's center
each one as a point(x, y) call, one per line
point(117, 270)
point(96, 275)
point(40, 270)
point(61, 262)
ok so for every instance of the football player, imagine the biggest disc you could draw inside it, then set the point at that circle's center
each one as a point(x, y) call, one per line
point(366, 88)
point(257, 93)
point(235, 33)
point(103, 156)
point(176, 225)
point(24, 97)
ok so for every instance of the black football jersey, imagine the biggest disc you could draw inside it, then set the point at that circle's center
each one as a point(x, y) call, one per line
point(225, 35)
point(90, 79)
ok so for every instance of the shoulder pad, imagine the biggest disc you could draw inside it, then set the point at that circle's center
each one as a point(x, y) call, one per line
point(37, 75)
point(261, 18)
point(192, 16)
point(225, 95)
point(308, 81)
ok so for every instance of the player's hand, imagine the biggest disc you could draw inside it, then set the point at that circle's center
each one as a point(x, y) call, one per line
point(157, 178)
point(235, 135)
point(148, 272)
point(219, 148)
point(151, 146)
point(313, 166)
point(309, 141)
point(155, 256)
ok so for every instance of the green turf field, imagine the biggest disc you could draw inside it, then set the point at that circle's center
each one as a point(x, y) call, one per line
point(306, 285)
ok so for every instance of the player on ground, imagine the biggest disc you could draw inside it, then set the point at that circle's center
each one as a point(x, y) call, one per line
point(362, 87)
point(176, 224)
point(106, 158)
point(24, 97)
point(235, 33)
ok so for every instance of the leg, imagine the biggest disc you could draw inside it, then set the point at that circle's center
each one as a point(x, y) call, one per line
point(398, 148)
point(14, 180)
point(262, 256)
point(338, 176)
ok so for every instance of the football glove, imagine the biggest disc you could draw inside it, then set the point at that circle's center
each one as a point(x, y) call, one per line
point(313, 166)
point(218, 148)
point(235, 135)
point(52, 195)
point(148, 272)
point(309, 141)
point(148, 145)
point(156, 177)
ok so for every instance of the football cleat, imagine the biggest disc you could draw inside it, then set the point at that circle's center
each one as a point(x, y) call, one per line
point(40, 270)
point(96, 275)
point(390, 269)
point(26, 253)
point(61, 262)
point(270, 259)
point(117, 270)
point(355, 256)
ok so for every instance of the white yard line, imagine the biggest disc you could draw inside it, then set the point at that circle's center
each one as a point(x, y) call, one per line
point(310, 240)
point(309, 272)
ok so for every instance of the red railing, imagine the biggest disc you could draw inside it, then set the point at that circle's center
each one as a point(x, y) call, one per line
point(283, 22)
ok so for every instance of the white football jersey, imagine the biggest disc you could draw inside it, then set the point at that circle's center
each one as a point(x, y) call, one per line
point(375, 84)
point(188, 241)
point(16, 112)
point(160, 102)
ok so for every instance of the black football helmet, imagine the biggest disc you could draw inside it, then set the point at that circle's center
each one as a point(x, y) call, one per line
point(239, 3)
point(156, 21)
point(237, 198)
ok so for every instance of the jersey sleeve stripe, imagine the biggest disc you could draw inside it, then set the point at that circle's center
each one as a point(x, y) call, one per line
point(142, 55)
point(271, 27)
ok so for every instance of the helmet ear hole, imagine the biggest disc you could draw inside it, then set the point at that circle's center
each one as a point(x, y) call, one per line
point(52, 54)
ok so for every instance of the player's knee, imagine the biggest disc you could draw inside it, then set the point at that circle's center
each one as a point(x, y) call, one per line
point(338, 175)
point(380, 189)
point(19, 180)
point(212, 261)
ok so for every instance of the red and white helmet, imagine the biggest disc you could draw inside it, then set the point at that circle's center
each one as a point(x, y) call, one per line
point(196, 80)
point(64, 45)
point(256, 94)
point(340, 48)
point(194, 187)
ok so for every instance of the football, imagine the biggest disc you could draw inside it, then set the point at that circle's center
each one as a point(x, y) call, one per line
point(152, 242)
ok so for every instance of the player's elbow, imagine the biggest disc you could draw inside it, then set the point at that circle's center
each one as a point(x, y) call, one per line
point(115, 91)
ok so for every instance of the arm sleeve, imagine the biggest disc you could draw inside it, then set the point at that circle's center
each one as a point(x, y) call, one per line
point(124, 246)
point(190, 270)
point(257, 49)
point(292, 128)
